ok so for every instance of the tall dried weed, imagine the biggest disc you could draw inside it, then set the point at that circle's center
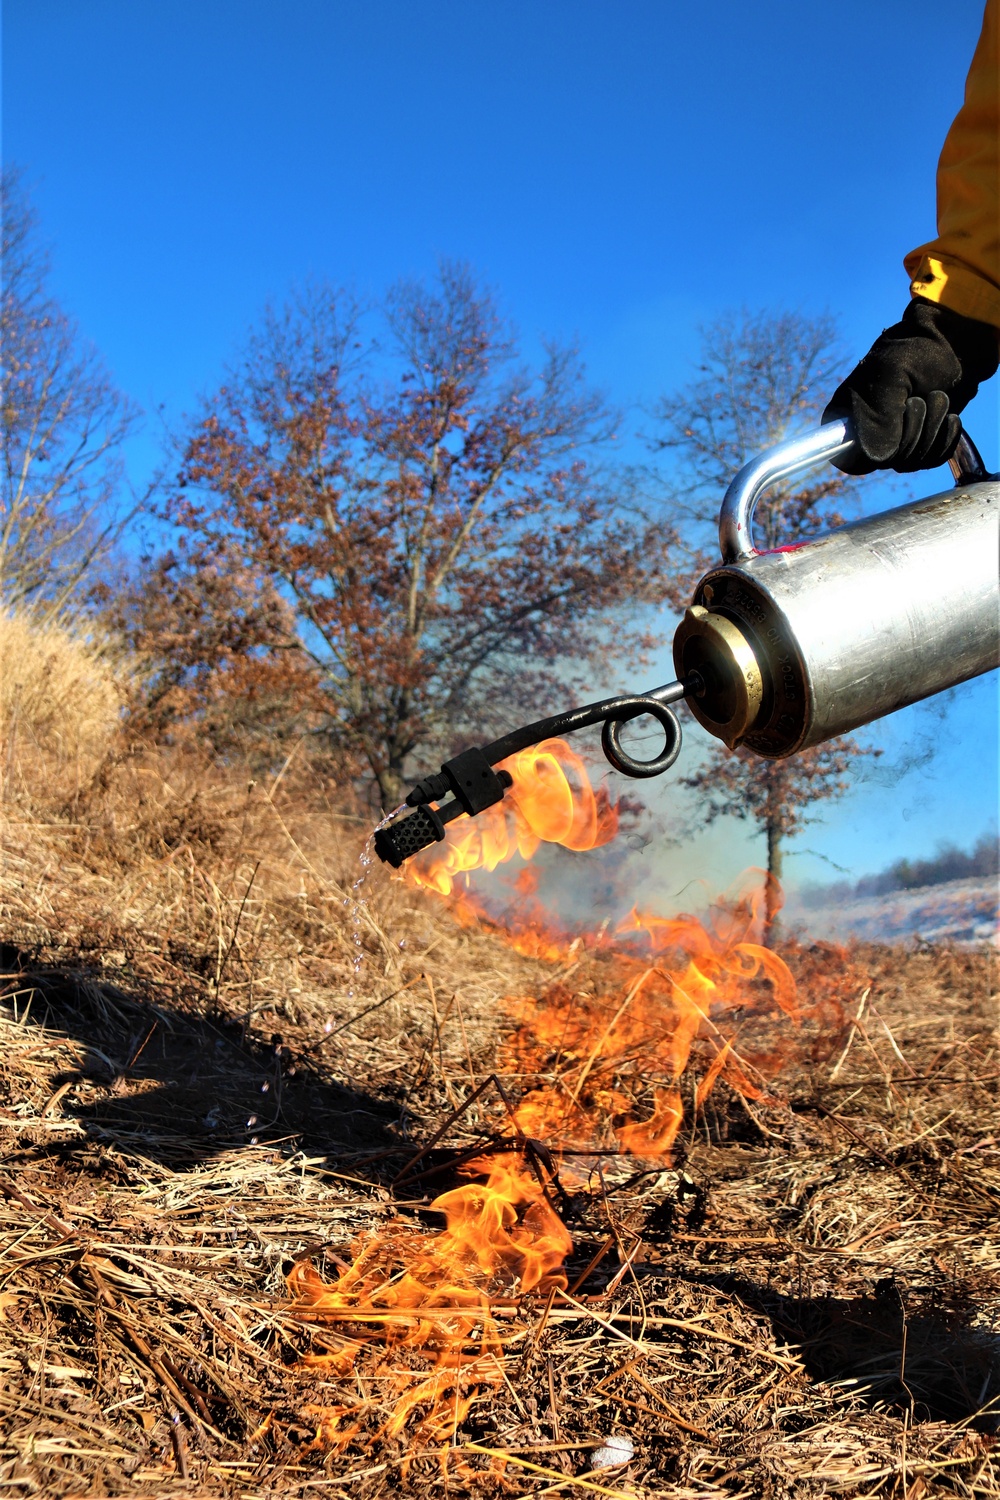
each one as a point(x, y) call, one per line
point(63, 690)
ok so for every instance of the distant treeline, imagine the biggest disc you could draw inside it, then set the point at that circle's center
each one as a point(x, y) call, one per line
point(950, 863)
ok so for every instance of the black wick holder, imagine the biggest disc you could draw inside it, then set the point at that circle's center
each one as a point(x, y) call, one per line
point(473, 784)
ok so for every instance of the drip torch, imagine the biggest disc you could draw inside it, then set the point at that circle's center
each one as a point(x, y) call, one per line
point(784, 649)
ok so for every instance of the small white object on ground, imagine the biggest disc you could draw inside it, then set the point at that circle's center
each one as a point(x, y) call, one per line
point(617, 1449)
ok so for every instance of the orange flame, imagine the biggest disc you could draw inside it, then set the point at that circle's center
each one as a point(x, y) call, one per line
point(430, 1298)
point(526, 926)
point(658, 1013)
point(676, 993)
point(551, 801)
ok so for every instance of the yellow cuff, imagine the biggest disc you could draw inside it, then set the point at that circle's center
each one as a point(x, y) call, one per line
point(954, 284)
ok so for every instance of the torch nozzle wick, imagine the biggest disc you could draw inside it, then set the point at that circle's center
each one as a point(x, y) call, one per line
point(691, 686)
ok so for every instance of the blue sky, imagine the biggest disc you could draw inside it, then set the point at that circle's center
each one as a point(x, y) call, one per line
point(620, 172)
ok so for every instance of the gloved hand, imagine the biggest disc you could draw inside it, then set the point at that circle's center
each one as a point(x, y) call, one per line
point(904, 397)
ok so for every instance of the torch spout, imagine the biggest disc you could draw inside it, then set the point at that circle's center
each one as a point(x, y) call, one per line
point(613, 713)
point(473, 784)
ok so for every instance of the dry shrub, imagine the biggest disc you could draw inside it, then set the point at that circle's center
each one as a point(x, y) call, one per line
point(63, 688)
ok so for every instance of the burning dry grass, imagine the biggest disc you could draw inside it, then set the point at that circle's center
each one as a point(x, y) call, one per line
point(272, 1224)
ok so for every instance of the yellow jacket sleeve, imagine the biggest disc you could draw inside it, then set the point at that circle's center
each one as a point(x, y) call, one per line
point(961, 268)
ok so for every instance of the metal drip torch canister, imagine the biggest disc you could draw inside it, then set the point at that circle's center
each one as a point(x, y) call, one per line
point(782, 650)
point(803, 643)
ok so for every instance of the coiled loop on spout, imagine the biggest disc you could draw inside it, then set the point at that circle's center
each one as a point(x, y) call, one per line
point(627, 764)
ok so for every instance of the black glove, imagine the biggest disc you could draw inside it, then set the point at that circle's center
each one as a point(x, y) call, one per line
point(904, 397)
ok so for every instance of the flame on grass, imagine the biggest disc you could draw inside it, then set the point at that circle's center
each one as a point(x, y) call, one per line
point(658, 1013)
point(671, 1006)
point(526, 926)
point(428, 1302)
point(664, 1009)
point(425, 1306)
point(551, 801)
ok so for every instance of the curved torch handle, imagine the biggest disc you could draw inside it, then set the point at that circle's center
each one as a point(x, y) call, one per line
point(825, 443)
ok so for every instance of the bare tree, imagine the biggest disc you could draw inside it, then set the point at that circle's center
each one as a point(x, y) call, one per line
point(63, 425)
point(762, 377)
point(777, 795)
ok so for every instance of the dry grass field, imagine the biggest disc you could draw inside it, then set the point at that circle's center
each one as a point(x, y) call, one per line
point(228, 1103)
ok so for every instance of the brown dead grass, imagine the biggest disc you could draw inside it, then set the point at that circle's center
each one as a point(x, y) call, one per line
point(198, 1087)
point(62, 691)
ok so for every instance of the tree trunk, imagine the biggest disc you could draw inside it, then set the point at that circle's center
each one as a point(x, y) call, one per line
point(391, 786)
point(772, 894)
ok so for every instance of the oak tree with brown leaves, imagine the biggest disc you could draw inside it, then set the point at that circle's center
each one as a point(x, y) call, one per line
point(408, 539)
point(762, 378)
